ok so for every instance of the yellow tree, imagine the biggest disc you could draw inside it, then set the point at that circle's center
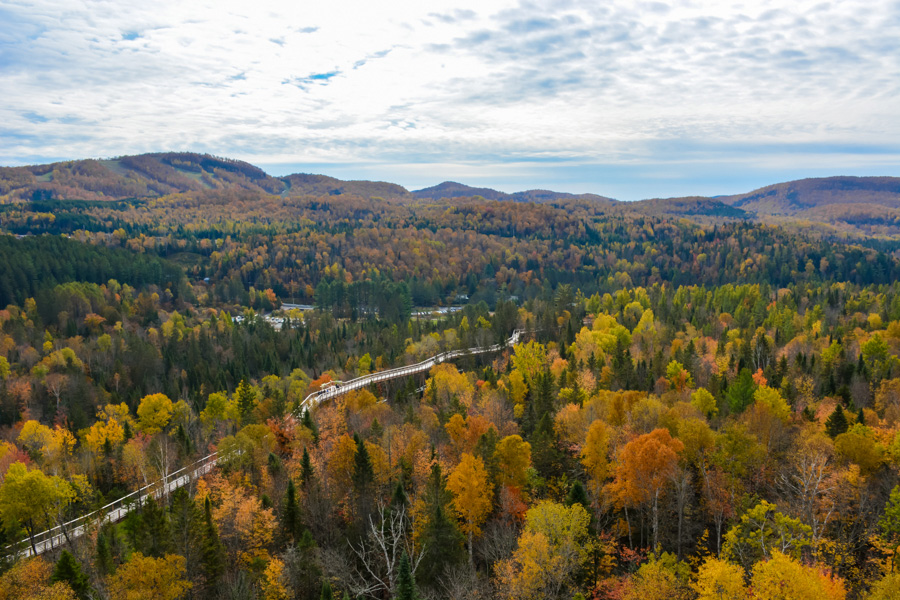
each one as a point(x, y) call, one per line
point(154, 413)
point(644, 468)
point(552, 548)
point(783, 578)
point(513, 457)
point(719, 580)
point(147, 578)
point(447, 383)
point(30, 580)
point(472, 495)
point(30, 497)
point(594, 455)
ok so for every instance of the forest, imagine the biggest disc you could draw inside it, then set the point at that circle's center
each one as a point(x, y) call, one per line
point(699, 408)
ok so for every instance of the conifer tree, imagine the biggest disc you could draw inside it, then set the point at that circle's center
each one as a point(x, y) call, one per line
point(577, 495)
point(307, 474)
point(443, 541)
point(406, 583)
point(836, 424)
point(740, 394)
point(212, 559)
point(246, 399)
point(326, 594)
point(104, 562)
point(68, 570)
point(290, 521)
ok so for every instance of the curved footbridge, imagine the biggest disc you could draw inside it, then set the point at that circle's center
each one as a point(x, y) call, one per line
point(116, 511)
point(340, 388)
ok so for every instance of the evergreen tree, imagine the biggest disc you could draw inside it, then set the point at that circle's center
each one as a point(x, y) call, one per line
point(246, 399)
point(68, 570)
point(861, 417)
point(399, 498)
point(577, 495)
point(104, 562)
point(326, 594)
point(307, 474)
point(156, 539)
point(290, 521)
point(212, 556)
point(442, 539)
point(406, 583)
point(544, 452)
point(836, 424)
point(544, 400)
point(185, 525)
point(363, 473)
point(363, 482)
point(307, 421)
point(740, 395)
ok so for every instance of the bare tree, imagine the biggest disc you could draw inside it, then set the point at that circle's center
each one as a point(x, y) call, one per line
point(380, 552)
point(807, 485)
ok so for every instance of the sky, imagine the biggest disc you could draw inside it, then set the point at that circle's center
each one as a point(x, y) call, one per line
point(623, 98)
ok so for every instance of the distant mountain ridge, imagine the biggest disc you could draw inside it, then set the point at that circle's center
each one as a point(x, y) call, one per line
point(452, 189)
point(846, 206)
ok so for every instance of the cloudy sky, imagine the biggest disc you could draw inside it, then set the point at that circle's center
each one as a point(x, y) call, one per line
point(623, 98)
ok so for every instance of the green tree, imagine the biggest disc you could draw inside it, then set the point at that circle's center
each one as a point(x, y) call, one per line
point(326, 594)
point(29, 498)
point(763, 530)
point(740, 394)
point(246, 399)
point(291, 526)
point(68, 570)
point(889, 523)
point(836, 424)
point(442, 539)
point(406, 583)
point(212, 553)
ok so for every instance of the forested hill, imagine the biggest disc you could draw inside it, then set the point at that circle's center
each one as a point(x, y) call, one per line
point(155, 175)
point(854, 206)
point(451, 189)
point(850, 207)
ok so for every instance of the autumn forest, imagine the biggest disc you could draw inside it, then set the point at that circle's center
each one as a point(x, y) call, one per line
point(704, 402)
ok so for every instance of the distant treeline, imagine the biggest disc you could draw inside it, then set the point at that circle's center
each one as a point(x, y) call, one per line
point(34, 263)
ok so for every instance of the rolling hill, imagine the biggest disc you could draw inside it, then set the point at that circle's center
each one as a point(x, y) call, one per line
point(855, 207)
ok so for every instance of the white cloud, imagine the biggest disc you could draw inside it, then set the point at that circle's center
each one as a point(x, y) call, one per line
point(453, 83)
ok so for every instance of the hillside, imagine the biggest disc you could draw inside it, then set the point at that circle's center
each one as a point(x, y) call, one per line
point(451, 189)
point(852, 207)
point(155, 175)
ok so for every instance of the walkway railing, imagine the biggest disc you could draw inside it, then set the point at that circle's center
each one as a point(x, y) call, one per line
point(116, 511)
point(367, 380)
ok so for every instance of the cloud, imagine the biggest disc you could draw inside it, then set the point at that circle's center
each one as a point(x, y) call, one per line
point(635, 86)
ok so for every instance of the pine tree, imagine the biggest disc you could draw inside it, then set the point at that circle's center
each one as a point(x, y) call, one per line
point(156, 540)
point(363, 473)
point(212, 555)
point(861, 417)
point(406, 583)
point(544, 452)
point(399, 498)
point(326, 594)
point(307, 474)
point(441, 537)
point(290, 522)
point(68, 570)
point(104, 562)
point(307, 421)
point(577, 495)
point(836, 424)
point(246, 399)
point(740, 395)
